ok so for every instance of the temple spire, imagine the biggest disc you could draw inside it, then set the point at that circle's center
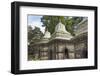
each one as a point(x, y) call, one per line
point(61, 32)
point(47, 33)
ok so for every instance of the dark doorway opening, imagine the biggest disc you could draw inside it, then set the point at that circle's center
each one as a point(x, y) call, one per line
point(50, 55)
point(66, 53)
point(85, 54)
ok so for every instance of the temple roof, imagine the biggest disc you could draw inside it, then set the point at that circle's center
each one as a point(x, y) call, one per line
point(46, 37)
point(81, 27)
point(61, 28)
point(47, 34)
point(61, 32)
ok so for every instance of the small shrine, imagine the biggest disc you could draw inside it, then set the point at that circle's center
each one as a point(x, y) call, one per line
point(61, 44)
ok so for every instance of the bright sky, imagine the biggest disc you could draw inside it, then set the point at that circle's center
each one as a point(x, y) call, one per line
point(34, 20)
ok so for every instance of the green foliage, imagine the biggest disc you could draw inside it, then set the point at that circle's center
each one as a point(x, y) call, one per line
point(30, 33)
point(51, 21)
point(34, 35)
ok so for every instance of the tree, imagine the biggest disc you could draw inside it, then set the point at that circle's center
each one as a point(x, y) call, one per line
point(70, 22)
point(51, 21)
point(34, 34)
point(30, 34)
point(37, 35)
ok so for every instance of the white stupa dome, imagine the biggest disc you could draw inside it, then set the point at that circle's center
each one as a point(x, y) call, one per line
point(61, 28)
point(61, 32)
point(45, 38)
point(47, 34)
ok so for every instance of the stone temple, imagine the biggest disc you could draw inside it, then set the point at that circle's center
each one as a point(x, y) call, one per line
point(61, 44)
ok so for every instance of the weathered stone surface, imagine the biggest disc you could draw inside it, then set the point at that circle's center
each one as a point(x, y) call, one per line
point(61, 45)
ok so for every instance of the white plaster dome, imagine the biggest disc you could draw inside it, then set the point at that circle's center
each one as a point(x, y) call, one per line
point(60, 28)
point(47, 34)
point(61, 32)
